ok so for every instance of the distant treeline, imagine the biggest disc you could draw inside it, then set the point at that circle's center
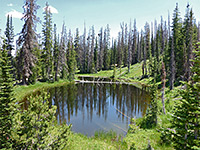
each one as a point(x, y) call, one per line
point(55, 56)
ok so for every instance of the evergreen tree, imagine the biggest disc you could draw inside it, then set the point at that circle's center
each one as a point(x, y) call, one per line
point(88, 49)
point(6, 100)
point(35, 127)
point(172, 66)
point(92, 67)
point(129, 60)
point(47, 43)
point(134, 47)
point(189, 32)
point(71, 60)
point(138, 53)
point(163, 86)
point(125, 49)
point(157, 50)
point(150, 119)
point(100, 49)
point(9, 33)
point(186, 113)
point(62, 53)
point(77, 49)
point(115, 52)
point(96, 55)
point(122, 44)
point(56, 54)
point(84, 49)
point(177, 43)
point(151, 51)
point(119, 52)
point(106, 57)
point(162, 37)
point(147, 47)
point(28, 41)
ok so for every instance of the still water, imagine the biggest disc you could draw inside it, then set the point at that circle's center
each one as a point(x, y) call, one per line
point(92, 107)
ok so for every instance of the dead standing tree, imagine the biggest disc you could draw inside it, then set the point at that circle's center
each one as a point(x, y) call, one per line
point(28, 40)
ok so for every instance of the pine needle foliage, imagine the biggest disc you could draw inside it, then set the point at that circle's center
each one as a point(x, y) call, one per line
point(150, 119)
point(6, 100)
point(186, 113)
point(36, 127)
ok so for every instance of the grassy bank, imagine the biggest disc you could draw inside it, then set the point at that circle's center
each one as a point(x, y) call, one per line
point(122, 75)
point(21, 91)
point(100, 141)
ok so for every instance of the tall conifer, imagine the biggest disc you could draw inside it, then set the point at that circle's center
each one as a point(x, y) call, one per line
point(28, 41)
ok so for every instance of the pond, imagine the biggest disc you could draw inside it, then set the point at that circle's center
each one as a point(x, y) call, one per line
point(91, 107)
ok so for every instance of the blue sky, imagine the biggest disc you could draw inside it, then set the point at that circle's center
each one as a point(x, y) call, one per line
point(98, 12)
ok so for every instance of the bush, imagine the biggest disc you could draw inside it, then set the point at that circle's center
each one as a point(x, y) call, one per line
point(36, 127)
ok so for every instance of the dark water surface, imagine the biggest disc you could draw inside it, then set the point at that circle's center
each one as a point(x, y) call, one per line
point(92, 107)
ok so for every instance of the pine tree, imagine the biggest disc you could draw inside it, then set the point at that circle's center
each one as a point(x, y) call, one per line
point(62, 53)
point(88, 49)
point(71, 60)
point(157, 50)
point(6, 100)
point(9, 33)
point(100, 49)
point(122, 44)
point(77, 49)
point(28, 41)
point(84, 50)
point(177, 43)
point(189, 32)
point(151, 51)
point(47, 43)
point(138, 53)
point(163, 86)
point(56, 54)
point(35, 127)
point(92, 67)
point(106, 58)
point(172, 66)
point(186, 113)
point(119, 52)
point(150, 119)
point(96, 55)
point(125, 50)
point(162, 37)
point(147, 49)
point(129, 60)
point(134, 47)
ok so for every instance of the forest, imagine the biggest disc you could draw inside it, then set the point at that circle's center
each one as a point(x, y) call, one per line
point(168, 54)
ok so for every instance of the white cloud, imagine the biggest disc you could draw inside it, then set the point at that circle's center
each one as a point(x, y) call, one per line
point(10, 5)
point(52, 9)
point(15, 14)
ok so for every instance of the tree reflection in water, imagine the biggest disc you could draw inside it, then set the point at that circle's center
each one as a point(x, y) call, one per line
point(91, 107)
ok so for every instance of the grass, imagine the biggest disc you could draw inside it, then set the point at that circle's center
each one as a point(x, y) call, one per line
point(132, 77)
point(141, 138)
point(135, 72)
point(21, 91)
point(101, 141)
